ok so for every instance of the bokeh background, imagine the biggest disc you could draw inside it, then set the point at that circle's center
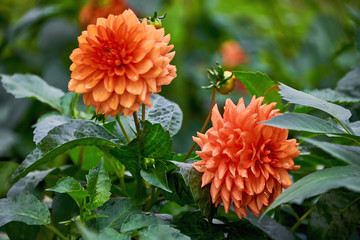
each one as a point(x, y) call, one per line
point(306, 44)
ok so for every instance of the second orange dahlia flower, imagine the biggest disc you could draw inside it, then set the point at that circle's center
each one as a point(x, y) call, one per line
point(245, 162)
point(120, 62)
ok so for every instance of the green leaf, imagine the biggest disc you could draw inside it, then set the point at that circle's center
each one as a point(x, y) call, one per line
point(32, 86)
point(180, 192)
point(6, 169)
point(348, 154)
point(336, 216)
point(43, 126)
point(260, 85)
point(137, 221)
point(192, 179)
point(304, 122)
point(156, 176)
point(333, 96)
point(70, 186)
point(165, 112)
point(24, 208)
point(62, 138)
point(98, 186)
point(154, 142)
point(355, 126)
point(350, 83)
point(357, 38)
point(318, 183)
point(161, 232)
point(294, 96)
point(117, 210)
point(28, 183)
point(106, 233)
point(66, 101)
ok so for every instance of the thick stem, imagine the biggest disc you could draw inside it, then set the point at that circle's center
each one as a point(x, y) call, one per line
point(205, 123)
point(137, 125)
point(117, 117)
point(298, 223)
point(57, 232)
point(143, 112)
point(74, 112)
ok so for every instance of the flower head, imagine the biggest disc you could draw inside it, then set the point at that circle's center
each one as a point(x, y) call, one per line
point(246, 162)
point(232, 54)
point(120, 62)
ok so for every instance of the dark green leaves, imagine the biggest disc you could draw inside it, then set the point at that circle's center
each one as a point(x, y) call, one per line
point(294, 96)
point(98, 186)
point(153, 143)
point(24, 208)
point(165, 112)
point(304, 122)
point(336, 216)
point(62, 138)
point(260, 85)
point(31, 86)
point(44, 125)
point(350, 84)
point(137, 221)
point(156, 176)
point(320, 182)
point(192, 178)
point(161, 232)
point(70, 186)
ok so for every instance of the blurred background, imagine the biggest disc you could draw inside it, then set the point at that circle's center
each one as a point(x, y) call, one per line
point(306, 44)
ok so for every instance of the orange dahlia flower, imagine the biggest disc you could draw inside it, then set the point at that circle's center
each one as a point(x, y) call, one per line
point(232, 54)
point(246, 162)
point(120, 62)
point(97, 8)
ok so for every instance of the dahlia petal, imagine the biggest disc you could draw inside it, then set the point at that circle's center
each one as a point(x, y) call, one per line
point(113, 101)
point(222, 169)
point(239, 182)
point(143, 48)
point(259, 203)
point(240, 212)
point(216, 118)
point(109, 84)
point(120, 85)
point(127, 100)
point(214, 191)
point(134, 87)
point(100, 93)
point(228, 182)
point(284, 176)
point(198, 141)
point(270, 184)
point(132, 75)
point(259, 184)
point(151, 85)
point(207, 178)
point(253, 207)
point(143, 66)
point(236, 194)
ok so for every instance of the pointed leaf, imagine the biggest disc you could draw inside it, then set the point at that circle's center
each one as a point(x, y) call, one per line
point(294, 96)
point(348, 154)
point(333, 96)
point(193, 178)
point(318, 183)
point(304, 122)
point(153, 143)
point(260, 85)
point(72, 187)
point(156, 176)
point(165, 112)
point(105, 233)
point(137, 221)
point(62, 138)
point(32, 86)
point(28, 183)
point(98, 186)
point(161, 232)
point(43, 126)
point(117, 210)
point(24, 208)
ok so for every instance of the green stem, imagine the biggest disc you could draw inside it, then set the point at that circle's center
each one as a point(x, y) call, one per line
point(205, 123)
point(117, 117)
point(139, 188)
point(56, 231)
point(137, 125)
point(298, 223)
point(342, 126)
point(74, 102)
point(143, 112)
point(153, 197)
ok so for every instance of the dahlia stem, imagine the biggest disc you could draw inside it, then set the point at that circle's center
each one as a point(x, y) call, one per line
point(56, 231)
point(143, 112)
point(205, 123)
point(73, 105)
point(117, 117)
point(137, 125)
point(298, 223)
